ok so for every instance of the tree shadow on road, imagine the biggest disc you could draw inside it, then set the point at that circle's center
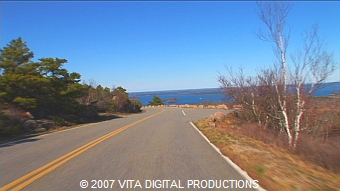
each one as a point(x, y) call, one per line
point(74, 121)
point(106, 117)
point(12, 143)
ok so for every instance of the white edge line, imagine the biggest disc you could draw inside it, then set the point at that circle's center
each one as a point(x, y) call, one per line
point(183, 112)
point(237, 168)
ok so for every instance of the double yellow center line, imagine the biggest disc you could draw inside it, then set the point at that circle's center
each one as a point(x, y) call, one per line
point(40, 172)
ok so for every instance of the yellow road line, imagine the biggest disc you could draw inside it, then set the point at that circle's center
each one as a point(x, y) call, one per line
point(40, 172)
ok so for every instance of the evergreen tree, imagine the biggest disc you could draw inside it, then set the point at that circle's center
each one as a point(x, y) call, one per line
point(15, 54)
point(45, 88)
point(156, 101)
point(19, 78)
point(62, 89)
point(37, 86)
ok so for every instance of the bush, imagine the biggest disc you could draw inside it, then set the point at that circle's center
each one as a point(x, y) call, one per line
point(318, 150)
point(325, 153)
point(156, 101)
point(26, 102)
point(59, 121)
point(9, 126)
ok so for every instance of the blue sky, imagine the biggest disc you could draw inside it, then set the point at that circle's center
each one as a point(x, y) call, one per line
point(161, 45)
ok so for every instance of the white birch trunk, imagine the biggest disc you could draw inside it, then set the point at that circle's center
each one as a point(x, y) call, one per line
point(299, 112)
point(283, 104)
point(285, 117)
point(254, 110)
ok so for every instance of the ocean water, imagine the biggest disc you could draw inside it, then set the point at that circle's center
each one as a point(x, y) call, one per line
point(328, 90)
point(202, 96)
point(185, 98)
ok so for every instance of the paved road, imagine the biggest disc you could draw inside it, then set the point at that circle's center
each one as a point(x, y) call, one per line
point(160, 145)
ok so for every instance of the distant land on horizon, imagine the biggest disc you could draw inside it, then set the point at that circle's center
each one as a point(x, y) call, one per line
point(209, 95)
point(210, 90)
point(181, 91)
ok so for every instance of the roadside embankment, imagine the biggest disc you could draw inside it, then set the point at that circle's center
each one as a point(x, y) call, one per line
point(275, 167)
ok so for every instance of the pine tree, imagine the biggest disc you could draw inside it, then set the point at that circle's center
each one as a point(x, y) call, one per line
point(156, 101)
point(19, 78)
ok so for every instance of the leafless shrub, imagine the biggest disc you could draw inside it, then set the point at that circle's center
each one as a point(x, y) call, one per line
point(275, 97)
point(321, 152)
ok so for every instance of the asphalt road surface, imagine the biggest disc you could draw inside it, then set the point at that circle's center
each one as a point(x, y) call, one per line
point(155, 150)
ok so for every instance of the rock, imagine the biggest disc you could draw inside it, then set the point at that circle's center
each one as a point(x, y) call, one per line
point(217, 117)
point(222, 106)
point(48, 124)
point(171, 100)
point(37, 125)
point(28, 115)
point(39, 130)
point(28, 126)
point(18, 114)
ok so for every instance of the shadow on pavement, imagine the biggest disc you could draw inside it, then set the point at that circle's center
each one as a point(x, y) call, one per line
point(27, 140)
point(106, 117)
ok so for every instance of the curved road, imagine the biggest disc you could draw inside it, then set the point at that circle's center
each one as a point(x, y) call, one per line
point(157, 149)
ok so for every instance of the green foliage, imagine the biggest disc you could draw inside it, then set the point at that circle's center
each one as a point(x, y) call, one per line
point(8, 126)
point(122, 102)
point(120, 98)
point(110, 107)
point(26, 102)
point(36, 86)
point(45, 88)
point(260, 170)
point(15, 54)
point(134, 105)
point(59, 121)
point(19, 77)
point(156, 101)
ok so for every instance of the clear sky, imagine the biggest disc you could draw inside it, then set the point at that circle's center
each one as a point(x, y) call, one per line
point(150, 45)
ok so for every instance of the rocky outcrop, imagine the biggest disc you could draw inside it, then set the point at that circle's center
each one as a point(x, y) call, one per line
point(35, 126)
point(17, 114)
point(222, 106)
point(171, 100)
point(215, 118)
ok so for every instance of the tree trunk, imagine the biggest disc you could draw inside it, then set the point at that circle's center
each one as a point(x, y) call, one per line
point(285, 121)
point(299, 112)
point(254, 109)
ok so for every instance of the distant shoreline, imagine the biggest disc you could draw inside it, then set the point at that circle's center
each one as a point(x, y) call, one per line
point(206, 90)
point(212, 95)
point(180, 92)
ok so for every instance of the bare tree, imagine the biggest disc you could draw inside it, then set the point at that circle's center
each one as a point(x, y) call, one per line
point(121, 98)
point(241, 89)
point(92, 95)
point(275, 94)
point(256, 94)
point(274, 15)
point(312, 65)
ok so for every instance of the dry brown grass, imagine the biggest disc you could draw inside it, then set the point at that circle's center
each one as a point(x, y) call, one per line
point(276, 168)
